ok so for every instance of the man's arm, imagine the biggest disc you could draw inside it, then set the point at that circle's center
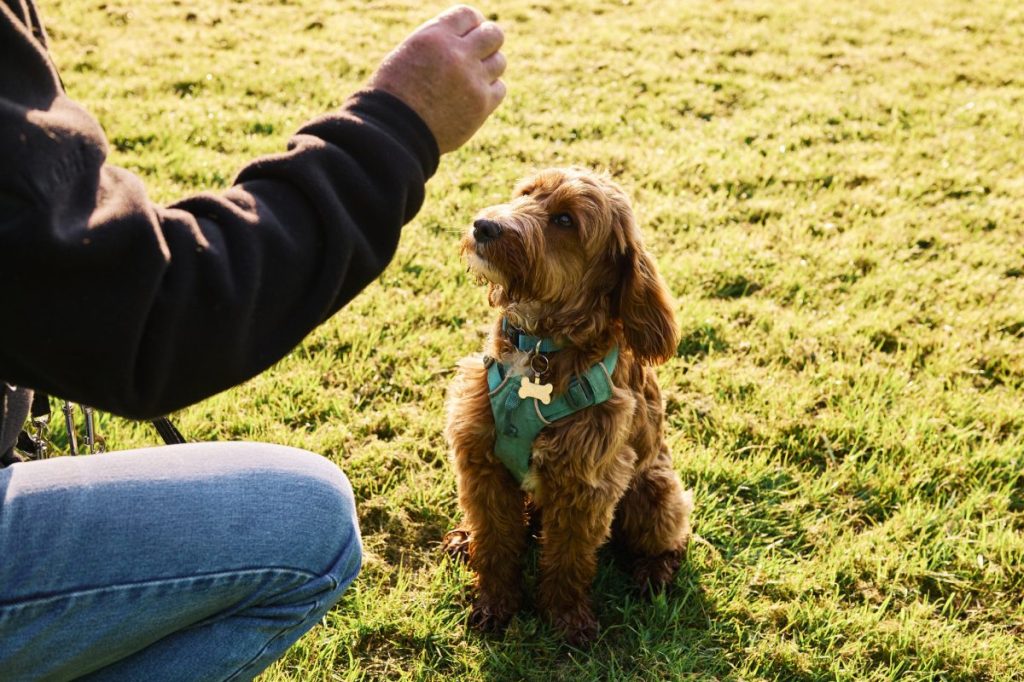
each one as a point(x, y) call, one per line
point(108, 299)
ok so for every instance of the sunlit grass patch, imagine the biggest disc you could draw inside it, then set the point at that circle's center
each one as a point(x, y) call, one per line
point(834, 194)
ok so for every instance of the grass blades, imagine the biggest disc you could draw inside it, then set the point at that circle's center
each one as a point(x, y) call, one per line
point(834, 193)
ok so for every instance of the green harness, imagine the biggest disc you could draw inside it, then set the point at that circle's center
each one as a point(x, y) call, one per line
point(519, 417)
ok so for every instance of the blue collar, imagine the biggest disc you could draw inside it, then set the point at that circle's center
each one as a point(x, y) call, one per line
point(526, 342)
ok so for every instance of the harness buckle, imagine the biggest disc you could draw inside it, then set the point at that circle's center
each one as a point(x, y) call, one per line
point(580, 393)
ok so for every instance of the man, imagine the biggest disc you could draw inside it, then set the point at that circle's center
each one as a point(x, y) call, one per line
point(203, 561)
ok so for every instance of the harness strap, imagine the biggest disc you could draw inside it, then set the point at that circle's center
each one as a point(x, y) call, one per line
point(591, 388)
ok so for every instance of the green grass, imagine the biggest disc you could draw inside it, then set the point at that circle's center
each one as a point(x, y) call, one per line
point(835, 194)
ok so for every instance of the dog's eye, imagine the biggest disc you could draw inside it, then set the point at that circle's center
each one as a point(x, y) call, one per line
point(562, 220)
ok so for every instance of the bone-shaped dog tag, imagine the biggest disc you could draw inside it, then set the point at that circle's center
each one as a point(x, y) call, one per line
point(541, 392)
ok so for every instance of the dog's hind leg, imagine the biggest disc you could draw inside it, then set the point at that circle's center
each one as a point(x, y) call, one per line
point(652, 522)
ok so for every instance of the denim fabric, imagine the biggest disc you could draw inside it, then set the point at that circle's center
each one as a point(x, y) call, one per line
point(190, 562)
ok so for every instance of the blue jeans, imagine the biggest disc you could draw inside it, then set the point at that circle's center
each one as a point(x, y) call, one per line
point(190, 562)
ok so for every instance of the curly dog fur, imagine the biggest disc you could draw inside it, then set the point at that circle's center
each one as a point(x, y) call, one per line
point(564, 259)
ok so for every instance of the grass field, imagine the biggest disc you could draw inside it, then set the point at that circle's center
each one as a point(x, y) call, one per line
point(835, 194)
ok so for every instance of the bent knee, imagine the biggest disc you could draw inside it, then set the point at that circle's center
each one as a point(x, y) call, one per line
point(306, 512)
point(320, 500)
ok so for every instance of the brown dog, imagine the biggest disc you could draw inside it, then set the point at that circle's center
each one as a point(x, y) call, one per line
point(565, 264)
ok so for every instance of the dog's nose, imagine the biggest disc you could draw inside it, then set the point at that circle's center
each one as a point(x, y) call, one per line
point(485, 231)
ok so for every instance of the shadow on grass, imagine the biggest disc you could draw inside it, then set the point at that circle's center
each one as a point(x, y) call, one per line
point(663, 637)
point(699, 629)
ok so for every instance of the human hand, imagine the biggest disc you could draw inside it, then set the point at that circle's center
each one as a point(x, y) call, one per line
point(448, 72)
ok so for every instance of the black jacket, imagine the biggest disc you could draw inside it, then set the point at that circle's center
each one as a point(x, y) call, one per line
point(140, 309)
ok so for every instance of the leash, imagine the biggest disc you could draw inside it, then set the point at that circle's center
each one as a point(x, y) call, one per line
point(170, 434)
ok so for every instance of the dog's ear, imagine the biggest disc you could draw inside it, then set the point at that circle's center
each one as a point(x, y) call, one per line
point(645, 308)
point(643, 303)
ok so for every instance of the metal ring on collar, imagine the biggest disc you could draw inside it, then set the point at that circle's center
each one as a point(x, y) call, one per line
point(539, 371)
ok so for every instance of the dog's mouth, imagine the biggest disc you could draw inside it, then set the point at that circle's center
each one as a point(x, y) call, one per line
point(480, 254)
point(481, 267)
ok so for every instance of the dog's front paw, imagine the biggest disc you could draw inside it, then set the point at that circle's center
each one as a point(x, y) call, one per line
point(578, 625)
point(455, 544)
point(492, 614)
point(653, 574)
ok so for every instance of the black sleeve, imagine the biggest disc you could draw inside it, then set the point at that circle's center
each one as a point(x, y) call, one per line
point(110, 300)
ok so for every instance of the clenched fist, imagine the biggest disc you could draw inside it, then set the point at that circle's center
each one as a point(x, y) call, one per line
point(448, 72)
